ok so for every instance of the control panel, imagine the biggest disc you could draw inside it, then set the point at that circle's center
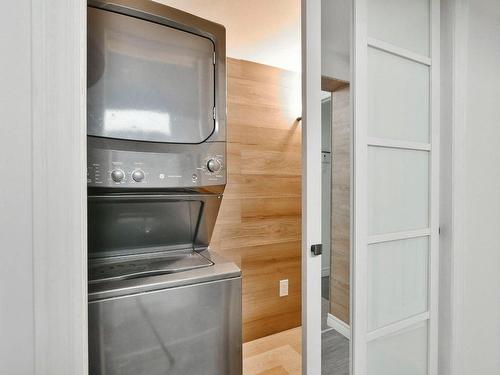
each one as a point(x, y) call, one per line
point(169, 166)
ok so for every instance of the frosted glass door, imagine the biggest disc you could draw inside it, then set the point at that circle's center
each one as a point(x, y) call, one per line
point(396, 111)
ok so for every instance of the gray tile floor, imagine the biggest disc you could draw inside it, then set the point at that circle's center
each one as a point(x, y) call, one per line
point(334, 346)
point(334, 353)
point(325, 287)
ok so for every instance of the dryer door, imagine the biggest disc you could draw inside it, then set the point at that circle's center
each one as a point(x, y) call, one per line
point(147, 81)
point(128, 224)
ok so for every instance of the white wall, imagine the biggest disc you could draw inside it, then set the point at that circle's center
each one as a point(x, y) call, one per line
point(43, 295)
point(263, 31)
point(16, 230)
point(481, 299)
point(335, 38)
point(470, 202)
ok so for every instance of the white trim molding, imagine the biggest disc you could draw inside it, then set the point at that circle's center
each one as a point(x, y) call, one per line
point(398, 51)
point(455, 29)
point(338, 325)
point(398, 326)
point(311, 190)
point(435, 134)
point(359, 191)
point(405, 145)
point(59, 186)
point(387, 237)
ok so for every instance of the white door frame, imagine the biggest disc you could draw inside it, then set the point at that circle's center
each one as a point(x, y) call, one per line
point(358, 187)
point(311, 186)
point(454, 27)
point(360, 42)
point(58, 46)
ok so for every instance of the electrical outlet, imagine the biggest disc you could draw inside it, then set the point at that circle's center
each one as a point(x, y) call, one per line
point(283, 288)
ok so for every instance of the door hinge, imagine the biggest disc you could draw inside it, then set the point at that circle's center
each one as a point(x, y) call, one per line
point(317, 249)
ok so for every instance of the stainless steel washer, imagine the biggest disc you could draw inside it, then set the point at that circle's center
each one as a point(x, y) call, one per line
point(160, 302)
point(184, 322)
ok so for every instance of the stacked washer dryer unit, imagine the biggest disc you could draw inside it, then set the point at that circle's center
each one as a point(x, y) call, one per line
point(160, 302)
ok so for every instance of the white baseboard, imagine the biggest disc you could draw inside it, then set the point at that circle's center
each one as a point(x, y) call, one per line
point(338, 325)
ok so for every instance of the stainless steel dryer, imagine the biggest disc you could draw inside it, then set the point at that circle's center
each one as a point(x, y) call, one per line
point(160, 301)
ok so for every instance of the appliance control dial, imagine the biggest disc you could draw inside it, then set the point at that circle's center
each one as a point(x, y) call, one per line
point(117, 175)
point(138, 175)
point(213, 165)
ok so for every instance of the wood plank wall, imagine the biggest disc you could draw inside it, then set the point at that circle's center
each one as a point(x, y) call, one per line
point(259, 224)
point(340, 233)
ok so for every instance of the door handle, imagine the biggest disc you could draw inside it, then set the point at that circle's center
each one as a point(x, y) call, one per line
point(317, 249)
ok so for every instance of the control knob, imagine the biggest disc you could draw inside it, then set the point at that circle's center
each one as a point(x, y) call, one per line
point(213, 165)
point(117, 175)
point(138, 175)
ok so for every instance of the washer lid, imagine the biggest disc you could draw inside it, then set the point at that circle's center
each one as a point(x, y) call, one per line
point(133, 266)
point(221, 270)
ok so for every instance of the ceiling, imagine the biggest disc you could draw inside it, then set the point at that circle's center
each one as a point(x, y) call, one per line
point(264, 31)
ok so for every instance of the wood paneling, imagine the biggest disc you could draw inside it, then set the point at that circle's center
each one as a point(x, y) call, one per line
point(341, 166)
point(259, 224)
point(332, 84)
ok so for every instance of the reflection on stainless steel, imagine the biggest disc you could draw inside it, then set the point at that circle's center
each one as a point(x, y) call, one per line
point(160, 302)
point(148, 264)
point(193, 330)
point(137, 122)
point(123, 224)
point(154, 83)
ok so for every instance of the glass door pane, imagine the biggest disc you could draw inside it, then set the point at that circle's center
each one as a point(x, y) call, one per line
point(336, 185)
point(398, 97)
point(398, 190)
point(401, 353)
point(397, 281)
point(404, 23)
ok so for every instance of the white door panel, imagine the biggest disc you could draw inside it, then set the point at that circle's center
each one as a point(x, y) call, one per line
point(404, 23)
point(395, 83)
point(398, 97)
point(311, 186)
